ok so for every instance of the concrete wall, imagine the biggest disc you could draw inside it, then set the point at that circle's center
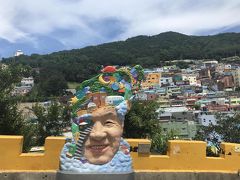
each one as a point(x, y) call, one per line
point(185, 176)
point(138, 176)
point(28, 175)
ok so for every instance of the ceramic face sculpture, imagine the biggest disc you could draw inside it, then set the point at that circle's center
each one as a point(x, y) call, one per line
point(104, 138)
point(98, 112)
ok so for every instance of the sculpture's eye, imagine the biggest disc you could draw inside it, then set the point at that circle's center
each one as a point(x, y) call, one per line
point(109, 123)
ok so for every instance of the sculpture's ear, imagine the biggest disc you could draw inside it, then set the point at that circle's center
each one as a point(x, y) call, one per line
point(129, 105)
point(123, 124)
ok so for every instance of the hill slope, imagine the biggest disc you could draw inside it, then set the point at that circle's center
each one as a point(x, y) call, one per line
point(79, 64)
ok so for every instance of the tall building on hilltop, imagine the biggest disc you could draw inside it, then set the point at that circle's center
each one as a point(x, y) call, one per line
point(18, 53)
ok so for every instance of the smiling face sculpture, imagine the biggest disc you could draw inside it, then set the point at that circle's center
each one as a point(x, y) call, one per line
point(104, 138)
point(98, 113)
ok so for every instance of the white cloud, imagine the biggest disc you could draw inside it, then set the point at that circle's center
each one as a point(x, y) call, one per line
point(26, 19)
point(185, 17)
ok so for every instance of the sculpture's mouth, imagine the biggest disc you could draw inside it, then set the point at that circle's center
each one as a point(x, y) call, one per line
point(98, 149)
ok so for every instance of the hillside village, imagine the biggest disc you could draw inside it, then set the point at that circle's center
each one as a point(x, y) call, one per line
point(187, 97)
point(193, 96)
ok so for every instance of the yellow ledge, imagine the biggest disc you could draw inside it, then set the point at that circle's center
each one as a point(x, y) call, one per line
point(188, 156)
point(12, 158)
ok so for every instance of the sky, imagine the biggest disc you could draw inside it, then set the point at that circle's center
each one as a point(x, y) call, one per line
point(52, 25)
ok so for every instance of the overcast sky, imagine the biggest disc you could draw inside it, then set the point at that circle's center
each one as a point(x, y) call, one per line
point(45, 26)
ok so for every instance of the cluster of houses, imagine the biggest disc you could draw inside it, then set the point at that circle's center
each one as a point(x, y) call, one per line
point(193, 96)
point(24, 87)
point(26, 84)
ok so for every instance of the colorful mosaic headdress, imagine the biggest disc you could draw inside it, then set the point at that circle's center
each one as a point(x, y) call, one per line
point(113, 87)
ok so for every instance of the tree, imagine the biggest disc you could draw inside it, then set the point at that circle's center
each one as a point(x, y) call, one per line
point(227, 129)
point(11, 120)
point(182, 65)
point(237, 89)
point(141, 121)
point(52, 83)
point(197, 106)
point(50, 120)
point(160, 141)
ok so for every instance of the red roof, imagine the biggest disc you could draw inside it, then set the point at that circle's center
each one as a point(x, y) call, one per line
point(109, 69)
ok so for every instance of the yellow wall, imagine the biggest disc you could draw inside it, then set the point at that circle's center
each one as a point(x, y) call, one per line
point(189, 156)
point(182, 156)
point(12, 158)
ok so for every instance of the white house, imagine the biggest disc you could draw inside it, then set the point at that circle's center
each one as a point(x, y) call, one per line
point(166, 81)
point(206, 119)
point(27, 82)
point(227, 66)
point(192, 78)
point(208, 64)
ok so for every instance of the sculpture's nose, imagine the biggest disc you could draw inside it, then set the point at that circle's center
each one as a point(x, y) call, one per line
point(97, 132)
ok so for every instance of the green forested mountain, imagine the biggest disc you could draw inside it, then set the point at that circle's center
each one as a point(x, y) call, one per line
point(149, 51)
